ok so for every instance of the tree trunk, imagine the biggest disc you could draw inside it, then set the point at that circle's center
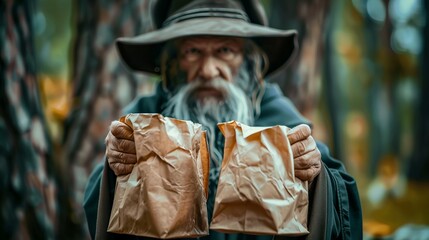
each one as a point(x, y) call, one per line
point(299, 81)
point(34, 197)
point(102, 85)
point(419, 166)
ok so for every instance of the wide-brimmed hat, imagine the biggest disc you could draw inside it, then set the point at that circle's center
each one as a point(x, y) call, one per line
point(207, 18)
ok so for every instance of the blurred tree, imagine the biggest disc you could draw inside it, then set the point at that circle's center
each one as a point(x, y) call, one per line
point(390, 111)
point(34, 198)
point(376, 71)
point(301, 80)
point(381, 60)
point(329, 86)
point(102, 86)
point(419, 166)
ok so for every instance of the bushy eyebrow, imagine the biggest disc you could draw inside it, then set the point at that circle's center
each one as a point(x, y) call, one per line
point(222, 41)
point(235, 42)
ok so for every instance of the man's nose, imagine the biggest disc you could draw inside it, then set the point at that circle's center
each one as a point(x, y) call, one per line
point(209, 68)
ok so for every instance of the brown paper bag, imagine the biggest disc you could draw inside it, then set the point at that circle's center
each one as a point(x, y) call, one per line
point(165, 195)
point(257, 191)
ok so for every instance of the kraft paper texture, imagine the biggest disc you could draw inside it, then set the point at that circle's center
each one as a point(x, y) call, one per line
point(165, 195)
point(257, 190)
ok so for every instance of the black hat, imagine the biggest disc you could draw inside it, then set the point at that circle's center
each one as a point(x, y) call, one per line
point(208, 18)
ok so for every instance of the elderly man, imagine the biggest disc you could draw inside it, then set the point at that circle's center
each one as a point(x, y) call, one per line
point(212, 60)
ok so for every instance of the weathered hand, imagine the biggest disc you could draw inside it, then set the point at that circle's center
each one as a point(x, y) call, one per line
point(306, 155)
point(120, 148)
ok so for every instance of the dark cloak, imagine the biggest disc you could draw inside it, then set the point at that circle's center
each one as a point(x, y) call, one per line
point(334, 210)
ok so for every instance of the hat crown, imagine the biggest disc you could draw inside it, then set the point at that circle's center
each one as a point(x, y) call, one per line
point(163, 9)
point(206, 12)
point(208, 8)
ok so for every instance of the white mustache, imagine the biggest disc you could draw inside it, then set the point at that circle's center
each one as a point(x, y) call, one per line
point(221, 85)
point(235, 104)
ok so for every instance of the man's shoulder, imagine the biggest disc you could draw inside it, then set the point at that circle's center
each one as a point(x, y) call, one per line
point(277, 109)
point(149, 103)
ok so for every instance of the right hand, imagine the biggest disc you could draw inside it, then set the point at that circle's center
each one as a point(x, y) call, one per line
point(120, 148)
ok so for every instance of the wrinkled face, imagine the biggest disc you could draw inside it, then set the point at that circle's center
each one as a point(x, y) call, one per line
point(214, 75)
point(211, 67)
point(209, 58)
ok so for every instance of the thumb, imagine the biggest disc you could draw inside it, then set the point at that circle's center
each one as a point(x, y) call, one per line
point(121, 130)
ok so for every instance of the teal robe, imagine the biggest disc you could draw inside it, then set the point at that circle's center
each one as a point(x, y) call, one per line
point(334, 209)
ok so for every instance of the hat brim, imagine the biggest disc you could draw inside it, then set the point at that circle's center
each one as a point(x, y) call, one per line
point(141, 53)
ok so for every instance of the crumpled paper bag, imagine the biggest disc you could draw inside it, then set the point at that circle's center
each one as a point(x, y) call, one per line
point(165, 195)
point(257, 191)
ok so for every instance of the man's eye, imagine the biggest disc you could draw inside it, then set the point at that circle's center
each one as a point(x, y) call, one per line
point(192, 50)
point(191, 54)
point(225, 50)
point(226, 53)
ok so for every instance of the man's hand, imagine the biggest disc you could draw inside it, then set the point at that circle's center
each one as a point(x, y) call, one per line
point(120, 148)
point(306, 155)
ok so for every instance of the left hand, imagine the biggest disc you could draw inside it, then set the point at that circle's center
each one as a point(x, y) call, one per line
point(306, 155)
point(120, 148)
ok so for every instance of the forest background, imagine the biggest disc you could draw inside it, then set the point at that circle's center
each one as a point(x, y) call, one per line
point(361, 76)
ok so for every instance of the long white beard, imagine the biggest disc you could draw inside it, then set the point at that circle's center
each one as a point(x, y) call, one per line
point(234, 104)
